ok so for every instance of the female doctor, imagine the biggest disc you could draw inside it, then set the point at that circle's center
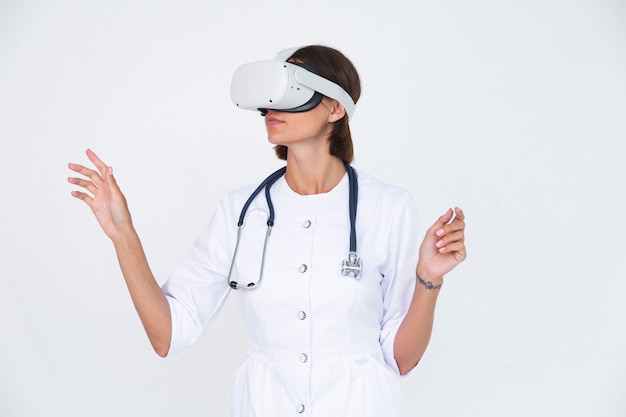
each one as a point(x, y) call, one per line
point(325, 340)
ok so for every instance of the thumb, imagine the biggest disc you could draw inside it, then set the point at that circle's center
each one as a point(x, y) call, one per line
point(110, 179)
point(115, 193)
point(109, 175)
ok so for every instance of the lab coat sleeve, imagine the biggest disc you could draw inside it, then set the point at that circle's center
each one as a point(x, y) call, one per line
point(197, 288)
point(398, 282)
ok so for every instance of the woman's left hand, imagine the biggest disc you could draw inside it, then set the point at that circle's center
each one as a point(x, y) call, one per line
point(443, 247)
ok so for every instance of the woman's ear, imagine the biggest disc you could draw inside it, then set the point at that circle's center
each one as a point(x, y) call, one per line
point(337, 111)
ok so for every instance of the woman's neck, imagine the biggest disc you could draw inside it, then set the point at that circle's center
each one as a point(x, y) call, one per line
point(313, 174)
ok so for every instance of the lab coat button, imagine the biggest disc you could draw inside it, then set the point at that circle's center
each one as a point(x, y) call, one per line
point(301, 315)
point(300, 408)
point(302, 268)
point(306, 224)
point(304, 357)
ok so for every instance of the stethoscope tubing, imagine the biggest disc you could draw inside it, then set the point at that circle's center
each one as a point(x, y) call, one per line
point(352, 203)
point(351, 267)
point(267, 184)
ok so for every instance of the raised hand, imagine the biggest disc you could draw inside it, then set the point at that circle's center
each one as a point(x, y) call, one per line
point(107, 202)
point(443, 247)
point(102, 194)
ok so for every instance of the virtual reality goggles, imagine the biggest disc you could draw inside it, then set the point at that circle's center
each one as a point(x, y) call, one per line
point(284, 86)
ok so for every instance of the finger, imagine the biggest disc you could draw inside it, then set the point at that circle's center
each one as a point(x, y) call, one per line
point(87, 172)
point(455, 225)
point(88, 185)
point(102, 167)
point(441, 221)
point(76, 167)
point(83, 196)
point(455, 247)
point(451, 227)
point(110, 180)
point(448, 239)
point(459, 213)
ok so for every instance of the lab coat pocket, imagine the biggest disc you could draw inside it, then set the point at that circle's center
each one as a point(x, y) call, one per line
point(247, 390)
point(382, 392)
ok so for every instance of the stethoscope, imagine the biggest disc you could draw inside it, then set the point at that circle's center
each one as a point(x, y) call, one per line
point(349, 267)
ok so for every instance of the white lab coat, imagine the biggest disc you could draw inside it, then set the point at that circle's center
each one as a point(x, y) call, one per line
point(321, 344)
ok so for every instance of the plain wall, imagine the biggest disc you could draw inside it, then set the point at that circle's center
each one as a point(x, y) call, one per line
point(515, 111)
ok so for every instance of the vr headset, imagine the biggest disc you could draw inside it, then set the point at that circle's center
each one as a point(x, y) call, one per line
point(284, 86)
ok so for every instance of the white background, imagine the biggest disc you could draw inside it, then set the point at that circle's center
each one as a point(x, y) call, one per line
point(513, 110)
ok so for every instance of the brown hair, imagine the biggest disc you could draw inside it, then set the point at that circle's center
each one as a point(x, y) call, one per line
point(334, 66)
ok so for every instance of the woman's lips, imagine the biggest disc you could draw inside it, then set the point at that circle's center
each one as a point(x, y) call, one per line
point(272, 121)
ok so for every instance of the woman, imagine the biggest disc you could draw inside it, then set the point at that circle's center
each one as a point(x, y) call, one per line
point(324, 341)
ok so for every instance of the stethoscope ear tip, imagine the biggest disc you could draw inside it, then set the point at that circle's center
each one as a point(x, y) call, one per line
point(234, 285)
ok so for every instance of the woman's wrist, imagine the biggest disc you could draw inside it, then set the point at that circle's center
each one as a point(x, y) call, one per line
point(125, 237)
point(429, 285)
point(429, 281)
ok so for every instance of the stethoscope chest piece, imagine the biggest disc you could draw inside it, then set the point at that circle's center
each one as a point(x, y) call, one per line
point(352, 266)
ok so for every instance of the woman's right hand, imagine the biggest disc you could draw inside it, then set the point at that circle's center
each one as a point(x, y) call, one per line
point(104, 197)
